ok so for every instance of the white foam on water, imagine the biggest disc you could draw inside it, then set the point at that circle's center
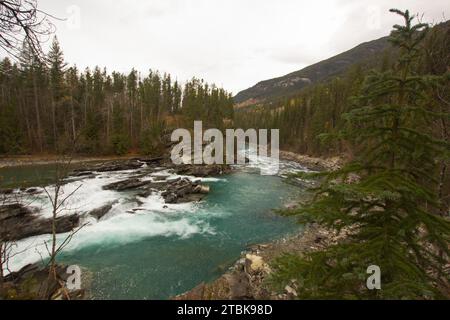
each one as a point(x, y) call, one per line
point(118, 230)
point(269, 165)
point(172, 176)
point(82, 195)
point(131, 218)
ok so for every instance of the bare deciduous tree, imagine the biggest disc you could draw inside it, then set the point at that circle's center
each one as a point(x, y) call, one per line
point(58, 200)
point(21, 21)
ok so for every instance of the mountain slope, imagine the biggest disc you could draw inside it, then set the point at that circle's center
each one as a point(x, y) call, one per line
point(318, 72)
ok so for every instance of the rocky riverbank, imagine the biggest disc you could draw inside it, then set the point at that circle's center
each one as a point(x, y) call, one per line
point(247, 278)
point(313, 163)
point(33, 282)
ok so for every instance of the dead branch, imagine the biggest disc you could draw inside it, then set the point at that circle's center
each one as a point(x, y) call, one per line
point(22, 22)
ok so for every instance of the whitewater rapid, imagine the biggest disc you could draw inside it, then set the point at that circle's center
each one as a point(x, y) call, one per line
point(131, 218)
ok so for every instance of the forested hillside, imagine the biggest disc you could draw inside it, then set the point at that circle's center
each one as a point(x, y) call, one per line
point(50, 107)
point(391, 197)
point(324, 70)
point(303, 118)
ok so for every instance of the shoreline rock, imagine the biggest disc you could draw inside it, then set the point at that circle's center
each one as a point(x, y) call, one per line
point(32, 282)
point(245, 279)
point(312, 163)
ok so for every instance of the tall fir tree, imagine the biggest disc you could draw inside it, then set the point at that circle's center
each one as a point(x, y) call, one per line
point(386, 198)
point(57, 68)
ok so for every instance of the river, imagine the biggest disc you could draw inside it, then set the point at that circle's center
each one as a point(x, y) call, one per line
point(157, 250)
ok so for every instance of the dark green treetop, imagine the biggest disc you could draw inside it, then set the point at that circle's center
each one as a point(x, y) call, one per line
point(386, 198)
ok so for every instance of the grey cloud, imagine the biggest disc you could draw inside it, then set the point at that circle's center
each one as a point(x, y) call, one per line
point(231, 42)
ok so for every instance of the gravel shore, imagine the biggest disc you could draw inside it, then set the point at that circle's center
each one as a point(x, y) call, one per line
point(16, 161)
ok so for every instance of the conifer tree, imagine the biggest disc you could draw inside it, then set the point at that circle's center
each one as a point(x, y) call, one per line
point(47, 106)
point(386, 198)
point(57, 67)
point(177, 91)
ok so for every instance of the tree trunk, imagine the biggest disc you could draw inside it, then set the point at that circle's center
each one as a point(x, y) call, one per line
point(142, 117)
point(52, 265)
point(131, 123)
point(54, 124)
point(85, 109)
point(38, 116)
point(108, 121)
point(22, 106)
point(74, 134)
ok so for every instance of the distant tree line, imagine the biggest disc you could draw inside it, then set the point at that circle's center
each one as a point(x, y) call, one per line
point(47, 106)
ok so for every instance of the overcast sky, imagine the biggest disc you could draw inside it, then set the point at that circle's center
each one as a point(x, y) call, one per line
point(232, 43)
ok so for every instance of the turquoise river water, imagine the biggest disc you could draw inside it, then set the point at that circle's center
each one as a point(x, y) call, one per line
point(163, 250)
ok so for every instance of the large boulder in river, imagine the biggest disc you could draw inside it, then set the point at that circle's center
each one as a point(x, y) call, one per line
point(99, 213)
point(19, 222)
point(173, 191)
point(184, 190)
point(124, 185)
